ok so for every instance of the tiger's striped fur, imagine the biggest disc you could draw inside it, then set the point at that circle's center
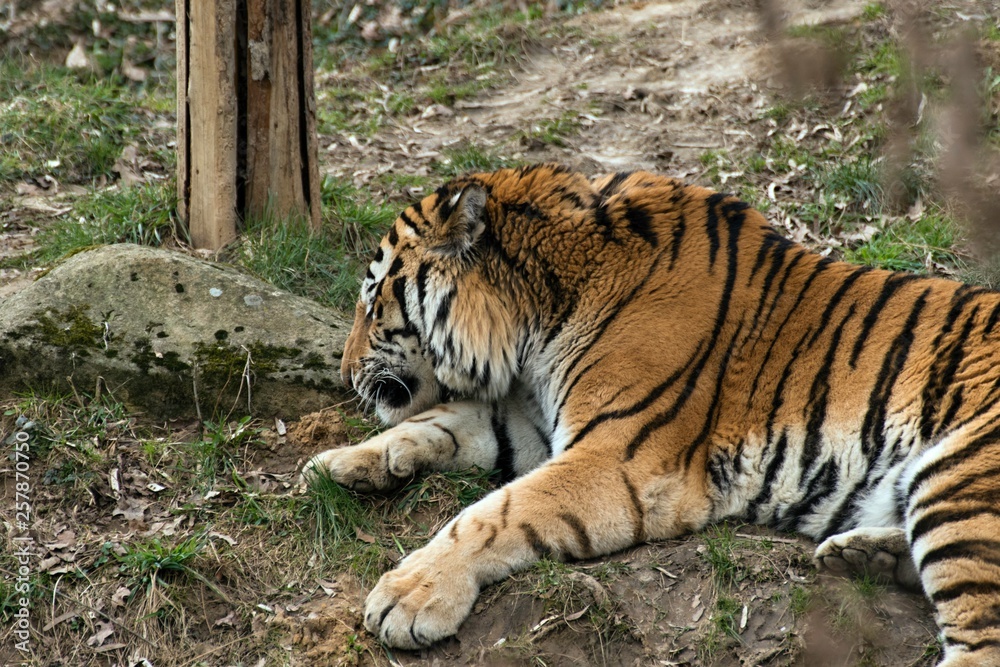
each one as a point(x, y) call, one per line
point(640, 358)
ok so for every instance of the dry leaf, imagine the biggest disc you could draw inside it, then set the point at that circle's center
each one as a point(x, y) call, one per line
point(77, 58)
point(104, 631)
point(228, 620)
point(363, 536)
point(118, 599)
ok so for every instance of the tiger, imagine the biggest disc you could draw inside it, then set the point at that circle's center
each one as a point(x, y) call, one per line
point(637, 358)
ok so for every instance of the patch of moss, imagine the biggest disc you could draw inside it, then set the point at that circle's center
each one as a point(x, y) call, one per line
point(314, 362)
point(70, 329)
point(219, 363)
point(145, 358)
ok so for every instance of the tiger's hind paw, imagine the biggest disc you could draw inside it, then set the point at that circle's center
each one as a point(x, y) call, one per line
point(880, 552)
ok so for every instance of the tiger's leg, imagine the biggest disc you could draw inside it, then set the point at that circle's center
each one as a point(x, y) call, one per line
point(450, 436)
point(882, 552)
point(579, 505)
point(953, 523)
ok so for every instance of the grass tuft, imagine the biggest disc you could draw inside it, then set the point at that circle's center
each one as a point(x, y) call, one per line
point(64, 123)
point(324, 265)
point(470, 158)
point(910, 246)
point(142, 214)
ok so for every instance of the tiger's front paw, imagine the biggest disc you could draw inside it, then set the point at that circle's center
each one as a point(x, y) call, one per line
point(425, 599)
point(379, 464)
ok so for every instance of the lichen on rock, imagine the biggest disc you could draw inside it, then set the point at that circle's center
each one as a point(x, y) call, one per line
point(162, 328)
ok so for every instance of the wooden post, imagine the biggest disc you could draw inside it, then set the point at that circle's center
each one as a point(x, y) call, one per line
point(246, 115)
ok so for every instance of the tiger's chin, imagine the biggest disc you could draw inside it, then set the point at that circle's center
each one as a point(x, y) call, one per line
point(403, 397)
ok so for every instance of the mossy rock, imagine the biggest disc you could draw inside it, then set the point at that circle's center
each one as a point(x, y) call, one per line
point(167, 332)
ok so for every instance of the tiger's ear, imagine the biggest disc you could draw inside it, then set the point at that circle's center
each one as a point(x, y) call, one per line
point(462, 221)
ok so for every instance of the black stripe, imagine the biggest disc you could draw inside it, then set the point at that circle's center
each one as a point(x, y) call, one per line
point(955, 401)
point(873, 425)
point(454, 440)
point(615, 183)
point(969, 450)
point(981, 551)
point(954, 491)
point(954, 591)
point(990, 619)
point(780, 291)
point(818, 269)
point(602, 327)
point(563, 192)
point(534, 541)
point(604, 223)
point(445, 207)
point(735, 221)
point(821, 485)
point(713, 414)
point(638, 407)
point(940, 378)
point(994, 318)
point(889, 288)
point(839, 518)
point(777, 262)
point(938, 518)
point(639, 514)
point(399, 293)
point(441, 317)
point(640, 222)
point(422, 284)
point(767, 489)
point(678, 236)
point(393, 236)
point(505, 450)
point(712, 224)
point(580, 531)
point(819, 395)
point(835, 300)
point(408, 221)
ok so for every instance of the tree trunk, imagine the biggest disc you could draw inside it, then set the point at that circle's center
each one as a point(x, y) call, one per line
point(246, 115)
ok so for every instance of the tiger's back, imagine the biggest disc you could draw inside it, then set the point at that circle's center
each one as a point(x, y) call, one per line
point(650, 357)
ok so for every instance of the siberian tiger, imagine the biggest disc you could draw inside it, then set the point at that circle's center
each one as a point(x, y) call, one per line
point(640, 358)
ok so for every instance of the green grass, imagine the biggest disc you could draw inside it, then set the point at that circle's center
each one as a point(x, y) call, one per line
point(869, 587)
point(722, 631)
point(457, 489)
point(343, 525)
point(800, 599)
point(469, 158)
point(553, 130)
point(64, 123)
point(150, 562)
point(142, 214)
point(906, 245)
point(856, 182)
point(719, 543)
point(324, 265)
point(885, 60)
point(216, 452)
point(873, 11)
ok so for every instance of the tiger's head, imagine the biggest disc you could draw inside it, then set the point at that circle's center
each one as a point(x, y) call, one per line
point(433, 321)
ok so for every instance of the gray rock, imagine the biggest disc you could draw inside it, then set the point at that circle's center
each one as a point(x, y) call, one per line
point(165, 331)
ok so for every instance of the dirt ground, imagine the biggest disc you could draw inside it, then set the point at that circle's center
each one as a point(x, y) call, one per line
point(651, 85)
